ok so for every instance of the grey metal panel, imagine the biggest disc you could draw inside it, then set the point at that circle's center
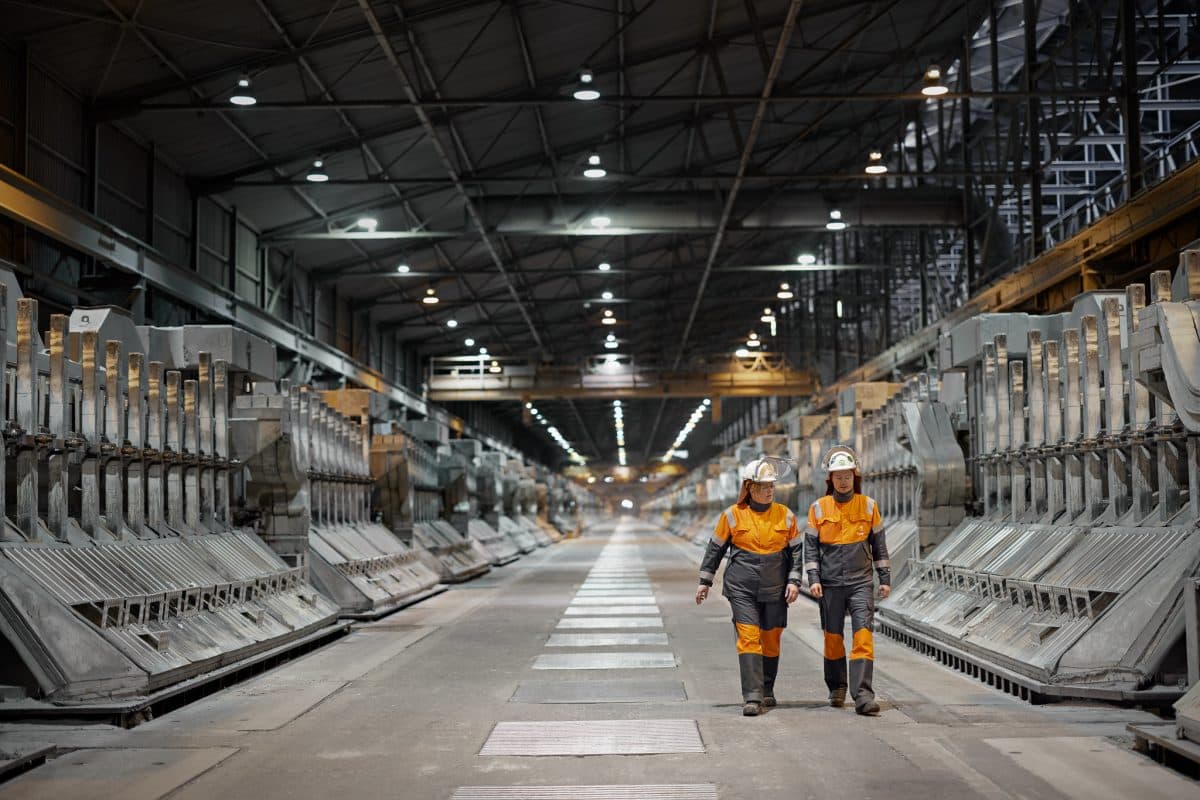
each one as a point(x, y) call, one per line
point(56, 118)
point(594, 738)
point(600, 691)
point(605, 661)
point(706, 791)
point(606, 623)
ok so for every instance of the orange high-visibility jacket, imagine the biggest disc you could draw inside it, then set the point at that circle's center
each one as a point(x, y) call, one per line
point(843, 541)
point(765, 551)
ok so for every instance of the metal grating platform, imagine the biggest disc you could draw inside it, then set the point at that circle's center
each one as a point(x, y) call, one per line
point(606, 623)
point(680, 791)
point(624, 737)
point(607, 640)
point(605, 661)
point(600, 691)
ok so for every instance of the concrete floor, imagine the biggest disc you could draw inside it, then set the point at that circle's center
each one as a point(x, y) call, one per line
point(401, 708)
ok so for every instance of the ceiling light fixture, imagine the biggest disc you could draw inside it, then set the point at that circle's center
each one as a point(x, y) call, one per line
point(585, 90)
point(469, 342)
point(608, 319)
point(932, 83)
point(785, 292)
point(836, 223)
point(242, 96)
point(839, 309)
point(368, 224)
point(483, 351)
point(875, 165)
point(317, 173)
point(600, 221)
point(430, 298)
point(451, 323)
point(767, 316)
point(806, 259)
point(753, 341)
point(604, 266)
point(742, 352)
point(403, 269)
point(593, 169)
point(606, 296)
point(495, 368)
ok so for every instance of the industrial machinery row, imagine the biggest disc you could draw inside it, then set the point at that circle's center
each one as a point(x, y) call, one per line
point(172, 510)
point(1041, 493)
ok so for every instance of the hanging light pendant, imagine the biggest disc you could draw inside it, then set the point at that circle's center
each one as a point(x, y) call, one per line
point(932, 82)
point(242, 96)
point(593, 169)
point(585, 89)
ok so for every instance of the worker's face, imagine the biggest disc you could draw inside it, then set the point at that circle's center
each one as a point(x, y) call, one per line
point(762, 492)
point(843, 481)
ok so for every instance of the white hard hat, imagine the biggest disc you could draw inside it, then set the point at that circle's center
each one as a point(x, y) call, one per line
point(840, 458)
point(760, 470)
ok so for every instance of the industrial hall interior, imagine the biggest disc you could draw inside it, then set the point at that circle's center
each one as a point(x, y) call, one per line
point(613, 399)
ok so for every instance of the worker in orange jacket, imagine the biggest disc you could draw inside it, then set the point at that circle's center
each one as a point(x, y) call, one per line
point(762, 578)
point(844, 542)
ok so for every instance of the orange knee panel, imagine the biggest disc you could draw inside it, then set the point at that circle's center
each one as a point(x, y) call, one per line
point(864, 645)
point(749, 638)
point(770, 642)
point(835, 648)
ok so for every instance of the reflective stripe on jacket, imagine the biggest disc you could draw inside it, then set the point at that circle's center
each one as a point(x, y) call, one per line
point(765, 551)
point(844, 541)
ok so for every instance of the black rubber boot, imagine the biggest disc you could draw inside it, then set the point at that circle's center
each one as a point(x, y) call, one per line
point(868, 707)
point(770, 671)
point(751, 667)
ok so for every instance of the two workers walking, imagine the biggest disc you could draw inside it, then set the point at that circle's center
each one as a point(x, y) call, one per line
point(842, 549)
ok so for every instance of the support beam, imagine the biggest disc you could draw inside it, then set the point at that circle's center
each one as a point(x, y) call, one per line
point(1130, 102)
point(434, 137)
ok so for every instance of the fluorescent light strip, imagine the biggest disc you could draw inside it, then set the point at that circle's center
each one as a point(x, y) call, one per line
point(687, 429)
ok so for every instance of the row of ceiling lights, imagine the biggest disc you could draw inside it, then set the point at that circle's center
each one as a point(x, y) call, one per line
point(556, 434)
point(686, 430)
point(594, 170)
point(768, 316)
point(586, 91)
point(619, 424)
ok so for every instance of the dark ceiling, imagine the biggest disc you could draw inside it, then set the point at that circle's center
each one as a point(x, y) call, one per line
point(454, 126)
